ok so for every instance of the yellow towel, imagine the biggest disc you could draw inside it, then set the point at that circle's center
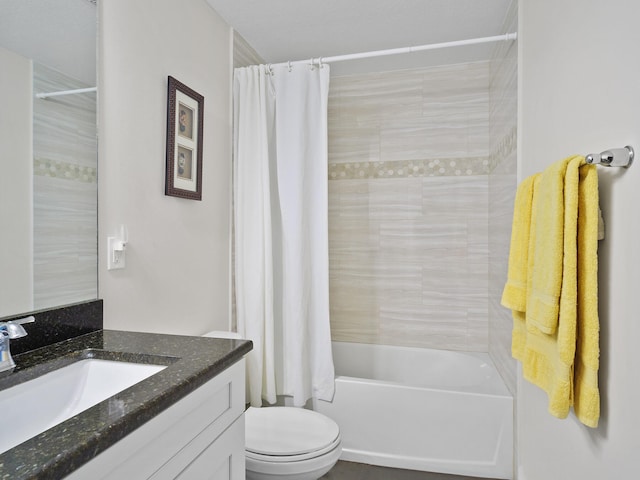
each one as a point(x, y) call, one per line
point(587, 396)
point(514, 295)
point(519, 335)
point(526, 215)
point(549, 250)
point(548, 360)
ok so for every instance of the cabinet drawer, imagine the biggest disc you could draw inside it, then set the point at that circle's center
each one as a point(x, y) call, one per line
point(221, 460)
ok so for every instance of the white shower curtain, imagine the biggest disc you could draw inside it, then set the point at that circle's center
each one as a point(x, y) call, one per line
point(281, 236)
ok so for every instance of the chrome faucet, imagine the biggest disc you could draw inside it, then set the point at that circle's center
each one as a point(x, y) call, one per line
point(9, 331)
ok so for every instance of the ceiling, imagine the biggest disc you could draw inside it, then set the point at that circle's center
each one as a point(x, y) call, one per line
point(282, 30)
point(279, 30)
point(60, 34)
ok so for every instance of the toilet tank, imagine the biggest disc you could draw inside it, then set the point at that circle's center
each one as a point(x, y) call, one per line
point(222, 334)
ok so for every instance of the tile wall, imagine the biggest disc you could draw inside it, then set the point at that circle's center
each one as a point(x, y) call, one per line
point(409, 159)
point(243, 53)
point(65, 192)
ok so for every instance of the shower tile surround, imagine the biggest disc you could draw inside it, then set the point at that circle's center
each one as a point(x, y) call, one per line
point(243, 53)
point(409, 160)
point(422, 176)
point(502, 186)
point(65, 192)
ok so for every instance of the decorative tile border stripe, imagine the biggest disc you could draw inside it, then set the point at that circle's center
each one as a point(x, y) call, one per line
point(505, 147)
point(435, 167)
point(66, 171)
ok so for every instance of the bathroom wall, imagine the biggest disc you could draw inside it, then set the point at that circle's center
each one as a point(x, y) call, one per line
point(579, 93)
point(503, 101)
point(176, 278)
point(16, 191)
point(408, 196)
point(65, 192)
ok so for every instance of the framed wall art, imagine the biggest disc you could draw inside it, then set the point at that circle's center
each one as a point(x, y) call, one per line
point(185, 112)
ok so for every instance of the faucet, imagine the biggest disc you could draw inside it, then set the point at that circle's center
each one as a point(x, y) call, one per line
point(8, 331)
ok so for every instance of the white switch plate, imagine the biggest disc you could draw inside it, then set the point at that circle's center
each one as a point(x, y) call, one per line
point(115, 258)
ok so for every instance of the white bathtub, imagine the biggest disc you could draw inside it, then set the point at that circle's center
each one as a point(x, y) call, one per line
point(421, 409)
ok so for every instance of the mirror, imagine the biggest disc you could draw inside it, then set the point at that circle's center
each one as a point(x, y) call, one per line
point(48, 154)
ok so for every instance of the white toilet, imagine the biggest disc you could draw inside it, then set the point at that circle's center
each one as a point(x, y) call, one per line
point(291, 443)
point(287, 442)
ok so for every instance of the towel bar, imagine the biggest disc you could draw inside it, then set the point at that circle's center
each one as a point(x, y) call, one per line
point(614, 157)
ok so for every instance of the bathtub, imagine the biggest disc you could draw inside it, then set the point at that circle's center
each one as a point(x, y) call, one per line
point(422, 409)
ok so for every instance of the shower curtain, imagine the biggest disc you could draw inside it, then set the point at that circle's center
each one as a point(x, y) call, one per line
point(281, 230)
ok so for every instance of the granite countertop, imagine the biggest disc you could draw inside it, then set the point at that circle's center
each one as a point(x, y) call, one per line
point(55, 453)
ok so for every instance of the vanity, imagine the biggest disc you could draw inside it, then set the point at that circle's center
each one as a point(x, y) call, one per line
point(186, 421)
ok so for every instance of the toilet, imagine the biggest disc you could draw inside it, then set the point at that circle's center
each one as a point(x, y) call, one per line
point(286, 442)
point(291, 443)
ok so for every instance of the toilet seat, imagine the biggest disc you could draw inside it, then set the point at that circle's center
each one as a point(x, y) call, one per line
point(285, 434)
point(293, 458)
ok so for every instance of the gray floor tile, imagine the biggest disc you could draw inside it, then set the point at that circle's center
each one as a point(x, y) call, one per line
point(359, 471)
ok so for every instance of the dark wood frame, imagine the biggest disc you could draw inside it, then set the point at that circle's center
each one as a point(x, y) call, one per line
point(172, 181)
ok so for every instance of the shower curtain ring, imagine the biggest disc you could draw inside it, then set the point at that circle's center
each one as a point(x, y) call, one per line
point(311, 64)
point(270, 68)
point(320, 64)
point(289, 65)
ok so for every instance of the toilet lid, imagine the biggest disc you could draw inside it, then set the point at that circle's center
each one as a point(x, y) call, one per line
point(288, 431)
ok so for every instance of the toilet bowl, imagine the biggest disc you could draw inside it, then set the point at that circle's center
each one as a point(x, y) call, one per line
point(286, 442)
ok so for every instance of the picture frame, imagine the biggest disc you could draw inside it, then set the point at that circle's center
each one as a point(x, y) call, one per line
point(185, 114)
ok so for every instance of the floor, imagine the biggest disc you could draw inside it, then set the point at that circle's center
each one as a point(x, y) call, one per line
point(359, 471)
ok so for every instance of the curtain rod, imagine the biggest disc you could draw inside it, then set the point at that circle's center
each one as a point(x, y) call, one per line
point(395, 51)
point(66, 92)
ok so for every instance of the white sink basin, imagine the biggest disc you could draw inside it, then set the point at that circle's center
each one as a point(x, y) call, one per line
point(32, 407)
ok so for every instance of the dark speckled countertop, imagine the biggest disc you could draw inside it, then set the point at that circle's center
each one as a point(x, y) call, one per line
point(55, 453)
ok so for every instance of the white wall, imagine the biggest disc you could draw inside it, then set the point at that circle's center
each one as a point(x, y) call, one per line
point(16, 191)
point(580, 93)
point(176, 278)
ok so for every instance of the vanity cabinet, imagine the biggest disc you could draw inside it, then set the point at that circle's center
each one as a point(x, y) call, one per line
point(201, 437)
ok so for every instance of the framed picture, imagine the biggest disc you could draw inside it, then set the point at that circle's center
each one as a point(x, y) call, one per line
point(185, 111)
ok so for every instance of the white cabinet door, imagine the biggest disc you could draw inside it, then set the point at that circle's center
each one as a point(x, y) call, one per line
point(207, 423)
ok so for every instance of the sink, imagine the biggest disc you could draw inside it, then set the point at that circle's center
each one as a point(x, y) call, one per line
point(34, 406)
